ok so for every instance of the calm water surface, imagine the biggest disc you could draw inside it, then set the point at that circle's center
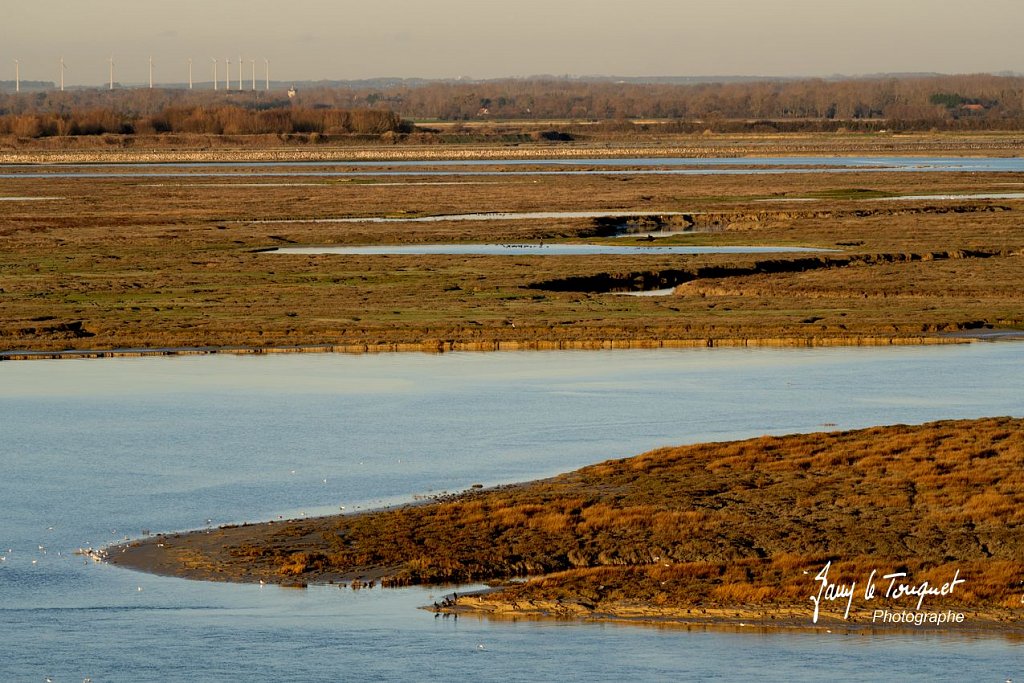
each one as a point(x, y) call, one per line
point(92, 451)
point(534, 249)
point(485, 216)
point(616, 166)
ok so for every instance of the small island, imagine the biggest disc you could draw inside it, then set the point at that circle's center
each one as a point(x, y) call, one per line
point(737, 533)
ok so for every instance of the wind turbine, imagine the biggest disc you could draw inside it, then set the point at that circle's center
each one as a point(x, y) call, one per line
point(214, 59)
point(63, 68)
point(111, 63)
point(253, 62)
point(151, 71)
point(17, 76)
point(227, 74)
point(266, 63)
point(240, 72)
point(189, 73)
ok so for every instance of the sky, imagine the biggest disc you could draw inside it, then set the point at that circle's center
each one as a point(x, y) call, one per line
point(321, 39)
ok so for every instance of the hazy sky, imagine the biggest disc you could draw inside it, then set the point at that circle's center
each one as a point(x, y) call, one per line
point(314, 39)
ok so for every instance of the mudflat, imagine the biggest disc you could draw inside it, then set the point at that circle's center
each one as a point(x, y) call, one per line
point(102, 259)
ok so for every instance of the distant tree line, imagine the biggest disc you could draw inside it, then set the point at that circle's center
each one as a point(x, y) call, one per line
point(994, 99)
point(196, 119)
point(944, 102)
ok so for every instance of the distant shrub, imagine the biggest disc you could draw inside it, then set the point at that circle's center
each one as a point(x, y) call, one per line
point(948, 100)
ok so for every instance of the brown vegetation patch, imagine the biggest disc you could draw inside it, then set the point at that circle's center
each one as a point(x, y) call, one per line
point(177, 262)
point(705, 526)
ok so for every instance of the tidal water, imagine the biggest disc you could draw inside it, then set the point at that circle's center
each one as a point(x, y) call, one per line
point(559, 166)
point(483, 216)
point(955, 197)
point(534, 249)
point(93, 451)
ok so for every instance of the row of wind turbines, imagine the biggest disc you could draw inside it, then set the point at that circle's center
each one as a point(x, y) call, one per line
point(227, 82)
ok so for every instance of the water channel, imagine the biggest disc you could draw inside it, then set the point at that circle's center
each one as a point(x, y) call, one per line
point(533, 167)
point(534, 249)
point(93, 451)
